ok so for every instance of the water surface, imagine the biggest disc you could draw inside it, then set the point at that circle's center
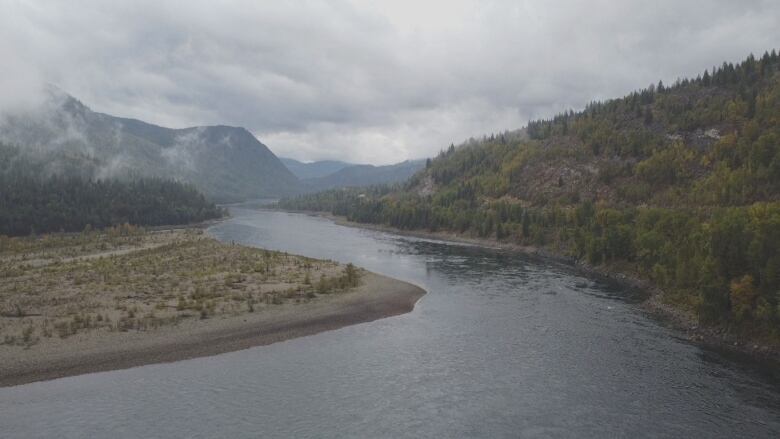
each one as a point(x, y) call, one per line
point(501, 346)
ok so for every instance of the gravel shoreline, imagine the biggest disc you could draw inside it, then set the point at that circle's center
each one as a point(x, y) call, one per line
point(377, 297)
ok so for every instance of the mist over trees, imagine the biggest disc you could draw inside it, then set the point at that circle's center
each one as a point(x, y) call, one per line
point(227, 164)
point(34, 200)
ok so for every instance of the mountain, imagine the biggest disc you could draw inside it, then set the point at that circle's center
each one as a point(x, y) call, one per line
point(225, 163)
point(678, 185)
point(364, 175)
point(330, 174)
point(313, 169)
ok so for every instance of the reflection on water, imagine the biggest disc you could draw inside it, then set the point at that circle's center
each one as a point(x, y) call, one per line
point(501, 346)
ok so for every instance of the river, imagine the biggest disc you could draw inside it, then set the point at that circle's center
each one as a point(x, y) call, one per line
point(502, 345)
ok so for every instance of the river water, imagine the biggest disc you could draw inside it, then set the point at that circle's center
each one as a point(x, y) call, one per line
point(501, 346)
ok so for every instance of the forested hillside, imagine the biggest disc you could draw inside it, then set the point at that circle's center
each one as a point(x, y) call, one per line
point(679, 184)
point(34, 198)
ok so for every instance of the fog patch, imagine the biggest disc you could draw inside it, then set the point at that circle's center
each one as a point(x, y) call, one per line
point(182, 154)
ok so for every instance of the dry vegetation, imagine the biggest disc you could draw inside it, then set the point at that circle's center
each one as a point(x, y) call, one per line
point(126, 279)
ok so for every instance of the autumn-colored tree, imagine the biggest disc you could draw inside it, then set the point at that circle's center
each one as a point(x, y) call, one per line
point(743, 298)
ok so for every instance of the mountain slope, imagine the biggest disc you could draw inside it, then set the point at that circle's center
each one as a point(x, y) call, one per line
point(678, 185)
point(314, 169)
point(365, 175)
point(225, 163)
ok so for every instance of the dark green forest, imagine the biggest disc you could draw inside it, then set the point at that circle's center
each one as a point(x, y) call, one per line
point(678, 184)
point(35, 199)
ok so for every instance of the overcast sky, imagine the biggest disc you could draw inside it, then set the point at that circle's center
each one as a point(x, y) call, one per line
point(375, 82)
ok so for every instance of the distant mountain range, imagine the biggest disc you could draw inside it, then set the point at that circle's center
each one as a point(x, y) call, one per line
point(227, 164)
point(313, 169)
point(364, 175)
point(330, 174)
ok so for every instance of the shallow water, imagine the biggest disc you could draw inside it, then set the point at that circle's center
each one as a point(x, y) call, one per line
point(501, 346)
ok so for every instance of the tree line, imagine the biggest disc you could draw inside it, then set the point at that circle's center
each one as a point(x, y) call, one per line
point(33, 202)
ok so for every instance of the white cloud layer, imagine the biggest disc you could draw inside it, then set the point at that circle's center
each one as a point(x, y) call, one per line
point(374, 82)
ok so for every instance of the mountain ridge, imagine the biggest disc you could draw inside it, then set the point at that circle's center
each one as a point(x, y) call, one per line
point(225, 163)
point(364, 175)
point(316, 169)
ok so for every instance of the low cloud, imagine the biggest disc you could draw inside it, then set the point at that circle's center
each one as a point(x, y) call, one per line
point(378, 82)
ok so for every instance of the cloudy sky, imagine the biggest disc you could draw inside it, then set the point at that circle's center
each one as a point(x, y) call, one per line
point(375, 82)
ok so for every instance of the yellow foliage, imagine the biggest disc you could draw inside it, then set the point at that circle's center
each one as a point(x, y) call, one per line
point(743, 297)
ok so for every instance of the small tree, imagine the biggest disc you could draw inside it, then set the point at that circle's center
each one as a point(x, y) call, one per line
point(322, 285)
point(526, 225)
point(350, 272)
point(648, 116)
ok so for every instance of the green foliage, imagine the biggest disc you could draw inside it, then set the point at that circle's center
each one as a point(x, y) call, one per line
point(350, 278)
point(666, 166)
